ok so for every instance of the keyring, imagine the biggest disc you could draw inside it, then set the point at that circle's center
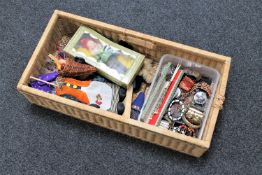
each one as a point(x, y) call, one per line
point(176, 110)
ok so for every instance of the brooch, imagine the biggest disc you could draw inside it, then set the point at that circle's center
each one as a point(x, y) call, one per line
point(186, 83)
point(204, 87)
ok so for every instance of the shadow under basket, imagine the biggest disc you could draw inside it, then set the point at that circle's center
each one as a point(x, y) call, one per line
point(62, 23)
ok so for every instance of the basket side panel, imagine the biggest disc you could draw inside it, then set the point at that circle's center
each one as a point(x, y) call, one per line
point(165, 141)
point(74, 112)
point(218, 101)
point(118, 126)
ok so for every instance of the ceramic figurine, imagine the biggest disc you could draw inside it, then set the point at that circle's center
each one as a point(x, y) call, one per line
point(137, 104)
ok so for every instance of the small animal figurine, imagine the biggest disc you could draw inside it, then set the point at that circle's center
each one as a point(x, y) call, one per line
point(70, 68)
point(148, 70)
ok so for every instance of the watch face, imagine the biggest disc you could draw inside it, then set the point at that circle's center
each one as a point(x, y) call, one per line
point(176, 110)
point(200, 98)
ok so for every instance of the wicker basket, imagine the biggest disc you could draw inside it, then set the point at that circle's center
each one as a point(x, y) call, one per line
point(62, 23)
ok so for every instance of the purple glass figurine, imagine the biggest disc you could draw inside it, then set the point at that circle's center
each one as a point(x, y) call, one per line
point(49, 77)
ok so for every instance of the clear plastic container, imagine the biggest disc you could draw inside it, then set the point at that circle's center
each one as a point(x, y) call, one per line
point(206, 71)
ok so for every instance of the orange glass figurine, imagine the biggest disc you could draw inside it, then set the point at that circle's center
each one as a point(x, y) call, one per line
point(89, 92)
